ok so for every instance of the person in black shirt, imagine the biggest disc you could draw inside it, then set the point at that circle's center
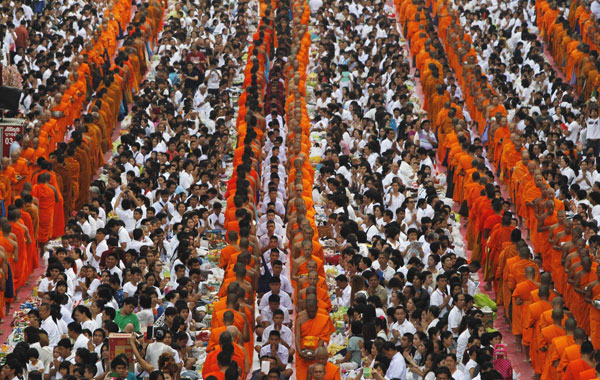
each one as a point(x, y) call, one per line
point(191, 76)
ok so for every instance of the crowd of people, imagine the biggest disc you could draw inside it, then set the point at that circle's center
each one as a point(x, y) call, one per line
point(295, 127)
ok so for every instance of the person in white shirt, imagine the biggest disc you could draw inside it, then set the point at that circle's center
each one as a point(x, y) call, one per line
point(474, 326)
point(95, 249)
point(284, 332)
point(280, 352)
point(456, 314)
point(130, 287)
point(388, 142)
point(592, 128)
point(48, 283)
point(216, 220)
point(111, 260)
point(572, 132)
point(49, 325)
point(82, 221)
point(185, 178)
point(401, 326)
point(155, 349)
point(397, 368)
point(343, 290)
point(266, 315)
point(79, 340)
point(284, 298)
point(440, 296)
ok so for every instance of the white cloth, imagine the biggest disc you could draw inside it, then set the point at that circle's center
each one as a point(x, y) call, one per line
point(51, 328)
point(397, 368)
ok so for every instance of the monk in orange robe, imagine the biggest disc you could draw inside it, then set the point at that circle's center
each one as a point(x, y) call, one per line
point(239, 356)
point(312, 330)
point(586, 362)
point(23, 238)
point(27, 221)
point(531, 317)
point(592, 295)
point(548, 333)
point(332, 372)
point(47, 197)
point(556, 349)
point(521, 299)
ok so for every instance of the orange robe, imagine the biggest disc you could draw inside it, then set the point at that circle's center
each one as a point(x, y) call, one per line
point(595, 319)
point(575, 368)
point(523, 291)
point(547, 335)
point(47, 202)
point(313, 331)
point(19, 270)
point(555, 352)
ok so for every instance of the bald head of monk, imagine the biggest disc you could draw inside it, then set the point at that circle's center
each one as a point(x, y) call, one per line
point(232, 288)
point(318, 369)
point(235, 333)
point(570, 325)
point(530, 273)
point(311, 266)
point(15, 154)
point(239, 270)
point(307, 248)
point(544, 292)
point(558, 302)
point(313, 277)
point(546, 278)
point(5, 162)
point(311, 305)
point(232, 301)
point(524, 252)
point(579, 335)
point(6, 227)
point(311, 291)
point(228, 318)
point(321, 355)
point(44, 178)
point(557, 316)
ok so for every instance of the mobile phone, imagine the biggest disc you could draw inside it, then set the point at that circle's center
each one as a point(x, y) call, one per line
point(150, 332)
point(265, 366)
point(367, 373)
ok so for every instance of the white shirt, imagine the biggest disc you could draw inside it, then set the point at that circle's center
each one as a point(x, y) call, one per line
point(285, 332)
point(51, 328)
point(573, 129)
point(116, 270)
point(282, 352)
point(267, 314)
point(284, 300)
point(405, 327)
point(80, 342)
point(454, 318)
point(437, 298)
point(129, 289)
point(461, 343)
point(345, 299)
point(593, 129)
point(397, 368)
point(154, 350)
point(185, 180)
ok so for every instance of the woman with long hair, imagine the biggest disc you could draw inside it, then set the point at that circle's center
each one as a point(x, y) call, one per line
point(357, 286)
